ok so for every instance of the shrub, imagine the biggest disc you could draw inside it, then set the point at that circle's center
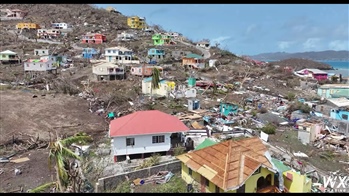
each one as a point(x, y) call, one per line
point(291, 96)
point(269, 129)
point(153, 160)
point(178, 151)
point(123, 187)
point(299, 106)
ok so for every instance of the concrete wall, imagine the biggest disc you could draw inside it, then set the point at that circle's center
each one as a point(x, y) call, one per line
point(304, 136)
point(111, 182)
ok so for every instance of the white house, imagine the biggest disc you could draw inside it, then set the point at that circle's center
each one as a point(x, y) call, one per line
point(41, 52)
point(48, 33)
point(125, 36)
point(203, 44)
point(39, 65)
point(60, 25)
point(145, 132)
point(120, 55)
point(108, 71)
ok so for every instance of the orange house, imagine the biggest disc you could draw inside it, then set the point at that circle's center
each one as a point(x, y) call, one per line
point(193, 61)
point(94, 38)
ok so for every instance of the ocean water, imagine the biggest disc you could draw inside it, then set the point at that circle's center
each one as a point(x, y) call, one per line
point(341, 67)
point(337, 64)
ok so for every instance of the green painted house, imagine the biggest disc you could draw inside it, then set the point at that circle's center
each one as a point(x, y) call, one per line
point(157, 39)
point(8, 56)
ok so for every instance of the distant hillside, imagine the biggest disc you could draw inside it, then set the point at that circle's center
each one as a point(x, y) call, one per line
point(328, 55)
point(299, 64)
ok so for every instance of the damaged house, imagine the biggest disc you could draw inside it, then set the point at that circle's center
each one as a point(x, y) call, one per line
point(203, 44)
point(93, 38)
point(144, 132)
point(233, 167)
point(90, 53)
point(48, 33)
point(12, 14)
point(108, 71)
point(27, 26)
point(125, 36)
point(193, 61)
point(39, 65)
point(136, 22)
point(155, 55)
point(8, 56)
point(312, 73)
point(120, 55)
point(41, 52)
point(333, 91)
point(165, 87)
point(144, 70)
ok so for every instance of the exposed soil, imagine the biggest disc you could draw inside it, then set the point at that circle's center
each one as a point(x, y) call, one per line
point(21, 113)
point(34, 172)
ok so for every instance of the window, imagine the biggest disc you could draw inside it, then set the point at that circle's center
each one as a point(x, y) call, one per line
point(158, 139)
point(130, 141)
point(345, 116)
point(190, 172)
point(257, 171)
point(108, 51)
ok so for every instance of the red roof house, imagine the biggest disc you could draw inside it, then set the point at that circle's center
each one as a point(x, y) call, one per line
point(145, 132)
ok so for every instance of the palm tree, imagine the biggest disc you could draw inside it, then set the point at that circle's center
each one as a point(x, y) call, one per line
point(42, 187)
point(60, 154)
point(155, 80)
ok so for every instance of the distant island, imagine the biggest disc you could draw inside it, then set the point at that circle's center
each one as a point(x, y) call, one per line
point(328, 55)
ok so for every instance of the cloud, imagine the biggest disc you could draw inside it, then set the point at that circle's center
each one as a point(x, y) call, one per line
point(339, 45)
point(220, 39)
point(311, 43)
point(284, 44)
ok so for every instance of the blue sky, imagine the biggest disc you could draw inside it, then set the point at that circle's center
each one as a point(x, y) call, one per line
point(252, 29)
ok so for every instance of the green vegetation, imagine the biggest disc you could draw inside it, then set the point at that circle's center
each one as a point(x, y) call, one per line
point(42, 188)
point(153, 160)
point(291, 96)
point(175, 185)
point(59, 153)
point(123, 187)
point(178, 151)
point(269, 128)
point(300, 106)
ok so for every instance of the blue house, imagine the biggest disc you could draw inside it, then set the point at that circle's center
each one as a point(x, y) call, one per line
point(333, 91)
point(340, 114)
point(228, 108)
point(155, 54)
point(89, 53)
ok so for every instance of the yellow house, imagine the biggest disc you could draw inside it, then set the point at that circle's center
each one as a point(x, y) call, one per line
point(242, 166)
point(136, 22)
point(164, 87)
point(296, 182)
point(27, 25)
point(293, 181)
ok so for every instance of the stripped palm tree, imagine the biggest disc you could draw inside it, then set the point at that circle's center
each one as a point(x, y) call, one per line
point(60, 154)
point(43, 187)
point(155, 80)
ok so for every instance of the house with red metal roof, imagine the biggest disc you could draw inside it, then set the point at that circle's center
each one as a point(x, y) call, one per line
point(143, 132)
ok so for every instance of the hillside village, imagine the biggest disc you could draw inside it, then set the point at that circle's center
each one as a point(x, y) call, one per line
point(121, 106)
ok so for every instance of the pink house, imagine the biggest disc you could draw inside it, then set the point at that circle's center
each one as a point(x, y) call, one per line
point(314, 73)
point(144, 70)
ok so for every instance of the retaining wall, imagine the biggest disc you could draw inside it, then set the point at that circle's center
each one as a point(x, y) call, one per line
point(111, 182)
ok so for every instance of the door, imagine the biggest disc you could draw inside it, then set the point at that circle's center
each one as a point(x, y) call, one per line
point(203, 185)
point(109, 58)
